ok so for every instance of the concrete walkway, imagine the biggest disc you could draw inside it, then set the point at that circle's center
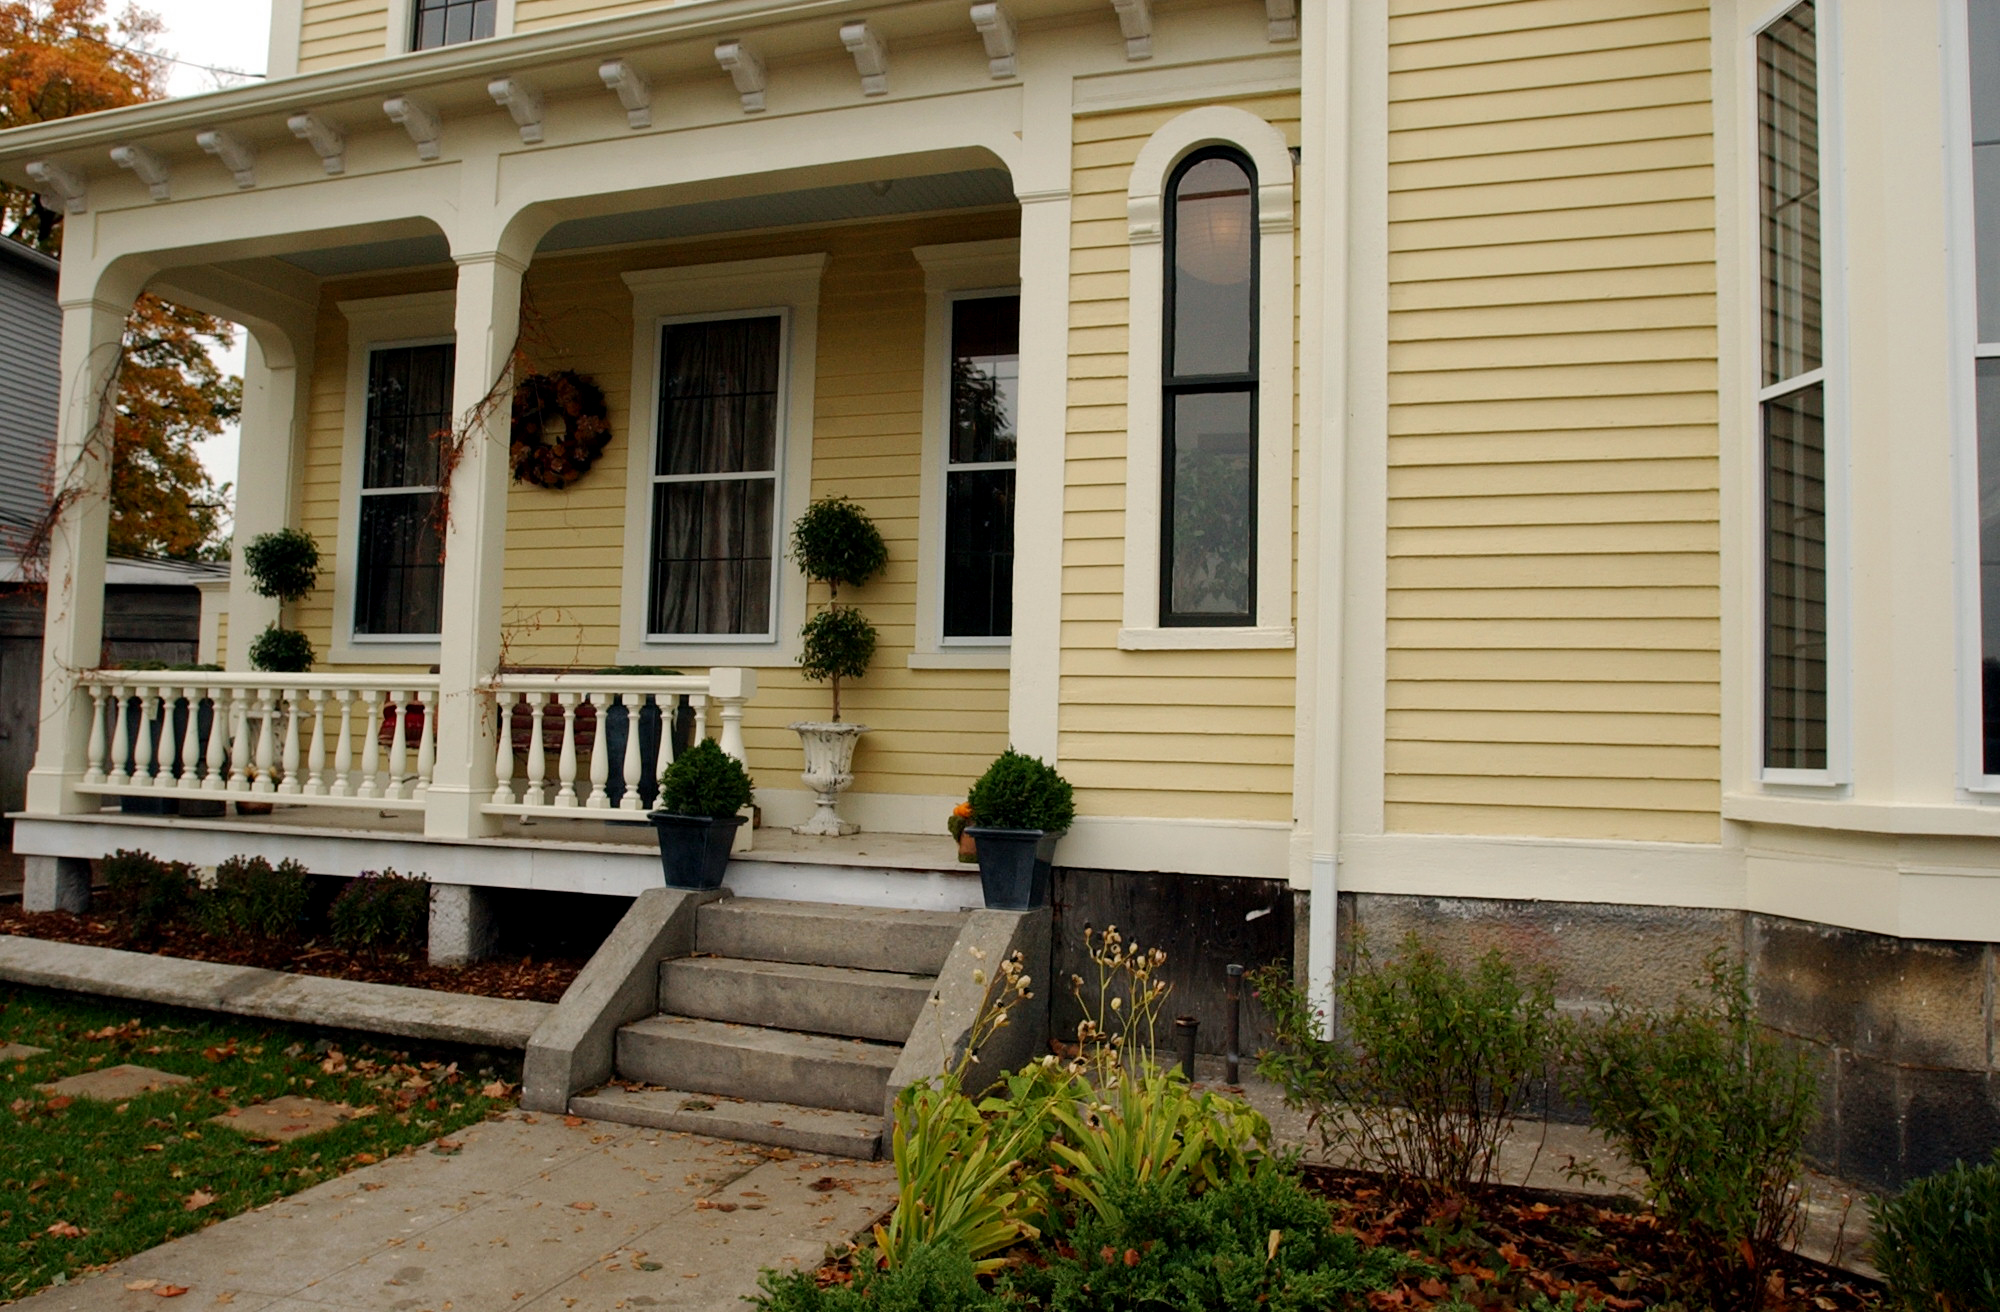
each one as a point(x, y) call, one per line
point(551, 1213)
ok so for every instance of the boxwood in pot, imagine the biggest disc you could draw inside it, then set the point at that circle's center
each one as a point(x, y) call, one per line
point(1020, 808)
point(702, 796)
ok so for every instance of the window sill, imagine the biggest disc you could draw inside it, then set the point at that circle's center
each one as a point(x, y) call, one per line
point(987, 658)
point(348, 651)
point(1197, 639)
point(704, 656)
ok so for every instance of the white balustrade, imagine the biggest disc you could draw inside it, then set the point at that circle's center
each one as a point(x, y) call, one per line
point(609, 735)
point(252, 734)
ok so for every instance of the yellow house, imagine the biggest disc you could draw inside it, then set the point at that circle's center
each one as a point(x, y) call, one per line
point(1518, 471)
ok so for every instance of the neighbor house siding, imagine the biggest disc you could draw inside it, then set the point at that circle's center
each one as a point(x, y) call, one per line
point(1553, 655)
point(335, 33)
point(1145, 733)
point(932, 731)
point(29, 374)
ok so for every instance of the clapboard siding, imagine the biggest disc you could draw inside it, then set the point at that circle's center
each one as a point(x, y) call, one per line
point(932, 731)
point(30, 371)
point(335, 33)
point(1554, 608)
point(1156, 733)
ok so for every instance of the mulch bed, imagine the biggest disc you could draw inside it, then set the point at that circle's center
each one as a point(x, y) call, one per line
point(1520, 1242)
point(522, 977)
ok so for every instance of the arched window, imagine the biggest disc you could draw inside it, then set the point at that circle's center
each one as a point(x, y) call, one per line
point(1208, 406)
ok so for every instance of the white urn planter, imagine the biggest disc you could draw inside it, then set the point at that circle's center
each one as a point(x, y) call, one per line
point(829, 771)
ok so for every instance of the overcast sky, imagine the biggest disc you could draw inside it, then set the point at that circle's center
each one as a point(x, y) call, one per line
point(231, 35)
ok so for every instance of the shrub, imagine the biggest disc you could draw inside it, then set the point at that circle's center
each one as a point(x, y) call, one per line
point(1153, 1130)
point(252, 899)
point(145, 893)
point(383, 910)
point(1022, 792)
point(1259, 1244)
point(936, 1278)
point(705, 780)
point(284, 564)
point(838, 643)
point(835, 543)
point(282, 651)
point(1937, 1244)
point(1715, 1111)
point(1435, 1065)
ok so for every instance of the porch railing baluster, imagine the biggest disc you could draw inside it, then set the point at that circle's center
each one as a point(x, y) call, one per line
point(503, 754)
point(290, 787)
point(343, 746)
point(218, 733)
point(566, 763)
point(600, 752)
point(538, 757)
point(628, 772)
point(426, 742)
point(399, 746)
point(371, 745)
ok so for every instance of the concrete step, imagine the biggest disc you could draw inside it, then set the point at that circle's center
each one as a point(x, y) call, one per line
point(746, 1061)
point(813, 1130)
point(828, 934)
point(858, 1004)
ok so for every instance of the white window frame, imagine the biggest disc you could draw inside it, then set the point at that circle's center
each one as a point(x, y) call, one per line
point(1265, 146)
point(376, 324)
point(1832, 376)
point(952, 273)
point(786, 286)
point(402, 34)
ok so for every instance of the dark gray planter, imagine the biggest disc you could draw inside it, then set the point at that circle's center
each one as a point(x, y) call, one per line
point(1014, 866)
point(694, 849)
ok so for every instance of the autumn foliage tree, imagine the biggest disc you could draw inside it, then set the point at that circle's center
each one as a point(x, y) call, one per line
point(59, 58)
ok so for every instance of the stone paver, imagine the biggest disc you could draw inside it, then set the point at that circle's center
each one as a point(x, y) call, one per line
point(282, 1120)
point(19, 1051)
point(114, 1083)
point(547, 1212)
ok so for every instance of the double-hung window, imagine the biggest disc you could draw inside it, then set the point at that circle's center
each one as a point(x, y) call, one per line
point(1792, 398)
point(399, 569)
point(450, 22)
point(715, 479)
point(979, 469)
point(1208, 484)
point(1983, 51)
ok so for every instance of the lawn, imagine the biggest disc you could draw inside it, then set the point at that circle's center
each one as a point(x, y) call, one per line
point(85, 1182)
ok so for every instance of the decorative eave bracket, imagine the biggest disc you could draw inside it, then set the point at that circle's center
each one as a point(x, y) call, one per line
point(326, 139)
point(522, 101)
point(148, 167)
point(236, 154)
point(871, 57)
point(632, 88)
point(426, 129)
point(1135, 21)
point(71, 187)
point(746, 69)
point(996, 28)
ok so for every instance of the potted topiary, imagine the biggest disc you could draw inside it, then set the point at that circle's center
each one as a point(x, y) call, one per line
point(702, 797)
point(1020, 808)
point(284, 565)
point(834, 543)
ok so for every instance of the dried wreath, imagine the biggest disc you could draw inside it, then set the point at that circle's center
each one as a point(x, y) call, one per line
point(540, 402)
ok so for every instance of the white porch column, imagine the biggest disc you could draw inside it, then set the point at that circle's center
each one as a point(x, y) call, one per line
point(73, 632)
point(263, 489)
point(487, 322)
point(1042, 184)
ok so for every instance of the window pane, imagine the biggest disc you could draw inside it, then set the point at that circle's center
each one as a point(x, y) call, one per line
point(1795, 581)
point(1209, 521)
point(1788, 136)
point(712, 544)
point(409, 400)
point(1984, 20)
point(482, 19)
point(1214, 224)
point(718, 397)
point(1989, 554)
point(979, 553)
point(985, 378)
point(399, 577)
point(430, 28)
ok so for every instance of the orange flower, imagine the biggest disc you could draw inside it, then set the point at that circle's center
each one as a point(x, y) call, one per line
point(963, 810)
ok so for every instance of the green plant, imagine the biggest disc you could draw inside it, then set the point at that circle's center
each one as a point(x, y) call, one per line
point(1119, 1028)
point(1261, 1243)
point(284, 564)
point(936, 1278)
point(1937, 1244)
point(282, 651)
point(838, 643)
point(705, 780)
point(1153, 1130)
point(382, 910)
point(959, 1183)
point(835, 543)
point(1434, 1068)
point(1022, 792)
point(145, 893)
point(1715, 1111)
point(253, 899)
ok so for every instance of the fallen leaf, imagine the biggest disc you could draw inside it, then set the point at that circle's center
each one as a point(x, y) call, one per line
point(366, 1159)
point(497, 1089)
point(1431, 1287)
point(584, 1207)
point(572, 1121)
point(59, 1102)
point(64, 1230)
point(141, 1286)
point(170, 1291)
point(197, 1200)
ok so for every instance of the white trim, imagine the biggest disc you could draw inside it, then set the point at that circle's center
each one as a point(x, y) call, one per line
point(381, 322)
point(787, 286)
point(1542, 869)
point(402, 30)
point(1276, 405)
point(1255, 849)
point(1249, 638)
point(1263, 74)
point(954, 272)
point(1832, 374)
point(976, 658)
point(281, 54)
